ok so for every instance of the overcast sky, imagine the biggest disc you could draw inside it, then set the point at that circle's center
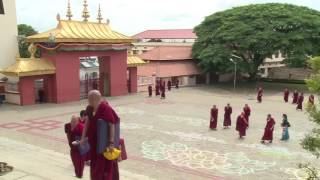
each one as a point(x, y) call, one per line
point(133, 16)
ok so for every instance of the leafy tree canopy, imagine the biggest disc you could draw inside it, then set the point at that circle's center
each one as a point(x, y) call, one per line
point(23, 32)
point(255, 32)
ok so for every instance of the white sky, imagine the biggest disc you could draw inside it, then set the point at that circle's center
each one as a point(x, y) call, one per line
point(133, 16)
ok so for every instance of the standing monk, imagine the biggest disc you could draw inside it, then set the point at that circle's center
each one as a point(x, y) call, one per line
point(157, 88)
point(241, 125)
point(268, 130)
point(100, 167)
point(74, 131)
point(300, 102)
point(260, 94)
point(214, 118)
point(169, 85)
point(163, 91)
point(227, 116)
point(150, 90)
point(286, 95)
point(247, 112)
point(295, 97)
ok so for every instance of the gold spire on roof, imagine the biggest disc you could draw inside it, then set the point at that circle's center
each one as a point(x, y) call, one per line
point(69, 13)
point(99, 18)
point(85, 12)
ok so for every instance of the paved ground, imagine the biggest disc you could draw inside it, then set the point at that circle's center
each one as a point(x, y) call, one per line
point(165, 139)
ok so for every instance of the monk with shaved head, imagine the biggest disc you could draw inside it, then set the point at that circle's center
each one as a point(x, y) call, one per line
point(97, 110)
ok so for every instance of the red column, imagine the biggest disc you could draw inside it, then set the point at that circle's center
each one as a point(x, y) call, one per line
point(133, 77)
point(27, 91)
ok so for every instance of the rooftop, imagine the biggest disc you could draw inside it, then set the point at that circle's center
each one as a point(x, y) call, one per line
point(167, 34)
point(168, 53)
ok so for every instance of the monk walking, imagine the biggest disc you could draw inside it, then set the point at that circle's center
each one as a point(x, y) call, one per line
point(227, 116)
point(100, 167)
point(286, 95)
point(169, 85)
point(260, 94)
point(150, 90)
point(268, 130)
point(241, 125)
point(74, 131)
point(214, 118)
point(295, 97)
point(300, 102)
point(247, 112)
point(177, 84)
point(163, 90)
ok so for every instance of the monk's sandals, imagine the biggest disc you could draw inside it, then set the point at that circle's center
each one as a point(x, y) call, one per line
point(4, 168)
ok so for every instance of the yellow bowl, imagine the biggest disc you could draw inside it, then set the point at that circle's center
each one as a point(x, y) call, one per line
point(112, 155)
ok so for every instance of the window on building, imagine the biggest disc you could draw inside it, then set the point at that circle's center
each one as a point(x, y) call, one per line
point(276, 55)
point(1, 7)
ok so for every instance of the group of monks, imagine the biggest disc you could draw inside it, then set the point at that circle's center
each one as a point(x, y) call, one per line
point(242, 123)
point(297, 98)
point(82, 131)
point(160, 88)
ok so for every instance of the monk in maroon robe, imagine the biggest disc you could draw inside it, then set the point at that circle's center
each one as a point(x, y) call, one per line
point(286, 95)
point(241, 125)
point(157, 89)
point(247, 112)
point(150, 90)
point(227, 116)
point(214, 118)
point(260, 94)
point(311, 99)
point(268, 130)
point(177, 84)
point(163, 91)
point(295, 97)
point(100, 167)
point(74, 131)
point(169, 85)
point(300, 102)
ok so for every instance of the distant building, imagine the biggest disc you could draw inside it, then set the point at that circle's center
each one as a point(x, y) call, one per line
point(275, 61)
point(150, 39)
point(169, 63)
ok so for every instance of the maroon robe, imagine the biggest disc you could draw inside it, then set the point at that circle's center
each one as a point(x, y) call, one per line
point(268, 130)
point(157, 89)
point(259, 96)
point(169, 85)
point(227, 116)
point(163, 91)
point(311, 99)
point(214, 118)
point(101, 168)
point(177, 84)
point(150, 90)
point(77, 159)
point(286, 96)
point(295, 97)
point(247, 113)
point(299, 102)
point(241, 126)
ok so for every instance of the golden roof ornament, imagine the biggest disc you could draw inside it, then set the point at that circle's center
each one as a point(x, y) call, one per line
point(85, 12)
point(69, 13)
point(99, 15)
point(32, 50)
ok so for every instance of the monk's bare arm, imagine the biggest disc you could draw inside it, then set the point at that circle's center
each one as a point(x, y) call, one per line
point(85, 129)
point(112, 132)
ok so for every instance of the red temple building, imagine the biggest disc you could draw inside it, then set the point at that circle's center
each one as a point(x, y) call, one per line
point(55, 75)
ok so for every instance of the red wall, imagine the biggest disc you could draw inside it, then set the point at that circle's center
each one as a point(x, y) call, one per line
point(133, 79)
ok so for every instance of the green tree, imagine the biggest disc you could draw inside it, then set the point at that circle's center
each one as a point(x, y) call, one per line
point(23, 32)
point(312, 141)
point(255, 32)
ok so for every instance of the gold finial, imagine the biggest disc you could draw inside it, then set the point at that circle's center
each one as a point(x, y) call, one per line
point(85, 12)
point(58, 17)
point(32, 50)
point(69, 13)
point(99, 15)
point(108, 21)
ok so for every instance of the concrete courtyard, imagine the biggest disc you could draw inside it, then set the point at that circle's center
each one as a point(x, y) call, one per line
point(165, 139)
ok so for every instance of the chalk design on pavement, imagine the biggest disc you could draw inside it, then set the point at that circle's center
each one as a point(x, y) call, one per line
point(157, 101)
point(126, 110)
point(29, 125)
point(295, 173)
point(181, 155)
point(192, 121)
